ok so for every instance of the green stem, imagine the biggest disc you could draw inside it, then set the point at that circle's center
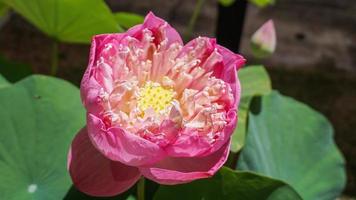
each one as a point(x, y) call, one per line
point(193, 19)
point(54, 58)
point(141, 189)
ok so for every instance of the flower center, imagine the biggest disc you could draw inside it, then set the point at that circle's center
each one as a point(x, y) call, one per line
point(153, 95)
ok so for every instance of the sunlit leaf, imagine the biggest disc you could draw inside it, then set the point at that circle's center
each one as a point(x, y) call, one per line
point(226, 2)
point(288, 140)
point(4, 9)
point(39, 118)
point(3, 82)
point(259, 3)
point(262, 3)
point(68, 20)
point(254, 82)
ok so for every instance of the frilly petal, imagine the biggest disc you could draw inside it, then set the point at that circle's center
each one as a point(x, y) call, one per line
point(232, 62)
point(188, 144)
point(191, 144)
point(90, 87)
point(154, 24)
point(94, 174)
point(199, 48)
point(118, 145)
point(226, 132)
point(172, 171)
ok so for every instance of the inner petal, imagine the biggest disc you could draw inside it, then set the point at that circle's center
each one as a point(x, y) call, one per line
point(156, 91)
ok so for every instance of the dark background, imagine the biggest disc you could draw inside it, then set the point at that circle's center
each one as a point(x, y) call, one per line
point(315, 60)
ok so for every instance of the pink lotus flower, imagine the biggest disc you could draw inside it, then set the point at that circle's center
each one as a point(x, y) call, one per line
point(154, 108)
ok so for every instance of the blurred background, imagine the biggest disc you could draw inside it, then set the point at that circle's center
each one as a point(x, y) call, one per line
point(315, 59)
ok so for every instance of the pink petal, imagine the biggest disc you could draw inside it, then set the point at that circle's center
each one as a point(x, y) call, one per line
point(188, 144)
point(199, 48)
point(232, 62)
point(231, 59)
point(118, 145)
point(172, 171)
point(226, 133)
point(191, 144)
point(154, 24)
point(90, 90)
point(87, 86)
point(265, 38)
point(162, 135)
point(90, 87)
point(94, 174)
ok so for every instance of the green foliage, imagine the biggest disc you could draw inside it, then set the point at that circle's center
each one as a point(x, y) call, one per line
point(289, 141)
point(66, 20)
point(228, 184)
point(3, 82)
point(14, 71)
point(4, 9)
point(226, 2)
point(39, 117)
point(75, 194)
point(127, 20)
point(259, 51)
point(254, 82)
point(260, 3)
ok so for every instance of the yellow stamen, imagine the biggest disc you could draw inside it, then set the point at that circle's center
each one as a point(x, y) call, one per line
point(153, 95)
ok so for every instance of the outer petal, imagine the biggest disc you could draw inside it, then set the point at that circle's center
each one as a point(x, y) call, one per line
point(118, 145)
point(87, 86)
point(232, 62)
point(188, 144)
point(226, 132)
point(172, 171)
point(90, 87)
point(199, 48)
point(154, 23)
point(94, 174)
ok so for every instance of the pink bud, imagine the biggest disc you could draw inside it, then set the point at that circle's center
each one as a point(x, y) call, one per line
point(264, 40)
